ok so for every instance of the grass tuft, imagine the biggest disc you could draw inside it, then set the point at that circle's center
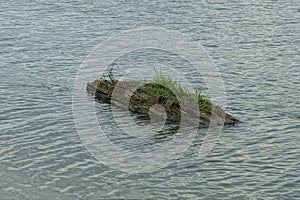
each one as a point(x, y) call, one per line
point(168, 87)
point(169, 83)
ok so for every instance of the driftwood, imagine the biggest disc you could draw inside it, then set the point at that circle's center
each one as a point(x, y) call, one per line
point(126, 94)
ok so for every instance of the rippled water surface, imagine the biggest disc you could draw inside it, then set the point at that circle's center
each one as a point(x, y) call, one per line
point(255, 45)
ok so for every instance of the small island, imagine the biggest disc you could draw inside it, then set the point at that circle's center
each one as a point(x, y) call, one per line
point(161, 91)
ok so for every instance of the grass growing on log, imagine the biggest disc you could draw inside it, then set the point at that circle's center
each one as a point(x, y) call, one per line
point(161, 90)
point(162, 85)
point(168, 87)
point(169, 83)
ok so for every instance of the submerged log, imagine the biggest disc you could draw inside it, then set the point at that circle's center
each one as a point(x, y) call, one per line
point(126, 94)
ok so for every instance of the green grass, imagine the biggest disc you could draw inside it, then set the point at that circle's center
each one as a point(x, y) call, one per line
point(168, 87)
point(169, 83)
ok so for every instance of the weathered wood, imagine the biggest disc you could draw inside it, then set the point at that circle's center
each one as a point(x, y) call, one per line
point(126, 94)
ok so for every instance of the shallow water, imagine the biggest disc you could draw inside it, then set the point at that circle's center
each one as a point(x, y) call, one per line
point(255, 45)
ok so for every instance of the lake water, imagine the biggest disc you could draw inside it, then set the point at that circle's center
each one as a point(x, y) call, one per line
point(255, 45)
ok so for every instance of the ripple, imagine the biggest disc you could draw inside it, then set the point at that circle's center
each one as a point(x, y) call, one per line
point(255, 48)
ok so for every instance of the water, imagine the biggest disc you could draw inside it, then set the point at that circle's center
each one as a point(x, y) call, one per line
point(255, 45)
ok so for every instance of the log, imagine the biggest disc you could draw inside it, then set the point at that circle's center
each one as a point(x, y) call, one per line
point(126, 95)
